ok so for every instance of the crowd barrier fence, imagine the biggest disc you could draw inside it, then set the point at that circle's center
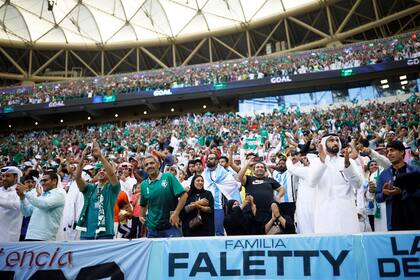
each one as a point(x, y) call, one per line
point(355, 256)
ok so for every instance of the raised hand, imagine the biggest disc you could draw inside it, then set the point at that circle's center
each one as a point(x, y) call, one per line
point(321, 152)
point(84, 153)
point(96, 151)
point(365, 150)
point(233, 148)
point(20, 190)
point(38, 190)
point(346, 153)
point(372, 186)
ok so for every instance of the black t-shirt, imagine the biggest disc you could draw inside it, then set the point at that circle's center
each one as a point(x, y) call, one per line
point(262, 191)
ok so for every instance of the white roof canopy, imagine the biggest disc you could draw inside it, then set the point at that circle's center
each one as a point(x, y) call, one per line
point(108, 22)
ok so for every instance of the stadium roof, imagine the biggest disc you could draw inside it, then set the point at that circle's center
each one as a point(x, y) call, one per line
point(104, 23)
point(88, 38)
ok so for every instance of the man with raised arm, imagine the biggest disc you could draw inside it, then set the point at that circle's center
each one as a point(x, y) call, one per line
point(97, 217)
point(335, 178)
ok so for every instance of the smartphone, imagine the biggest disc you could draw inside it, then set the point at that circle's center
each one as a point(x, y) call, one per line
point(89, 148)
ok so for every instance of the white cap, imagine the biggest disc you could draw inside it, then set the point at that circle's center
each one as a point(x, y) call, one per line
point(88, 167)
point(28, 163)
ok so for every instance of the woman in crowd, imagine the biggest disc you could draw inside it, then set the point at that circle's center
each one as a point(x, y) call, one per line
point(198, 216)
point(136, 225)
point(238, 221)
point(279, 223)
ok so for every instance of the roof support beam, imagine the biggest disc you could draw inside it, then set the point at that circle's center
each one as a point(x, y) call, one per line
point(54, 57)
point(197, 48)
point(313, 24)
point(20, 77)
point(286, 29)
point(210, 50)
point(84, 63)
point(268, 37)
point(310, 28)
point(165, 53)
point(155, 59)
point(376, 11)
point(235, 44)
point(248, 42)
point(13, 62)
point(30, 63)
point(102, 62)
point(357, 30)
point(355, 13)
point(189, 51)
point(407, 23)
point(348, 16)
point(119, 58)
point(9, 76)
point(228, 47)
point(173, 55)
point(121, 61)
point(137, 59)
point(66, 63)
point(385, 20)
point(329, 16)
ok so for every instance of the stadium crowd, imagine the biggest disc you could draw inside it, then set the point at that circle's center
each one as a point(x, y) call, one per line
point(344, 170)
point(366, 53)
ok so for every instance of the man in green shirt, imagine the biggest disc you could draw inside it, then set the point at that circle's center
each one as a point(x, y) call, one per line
point(163, 198)
point(97, 217)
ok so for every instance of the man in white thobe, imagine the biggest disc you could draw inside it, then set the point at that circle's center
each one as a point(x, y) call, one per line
point(335, 177)
point(305, 202)
point(10, 216)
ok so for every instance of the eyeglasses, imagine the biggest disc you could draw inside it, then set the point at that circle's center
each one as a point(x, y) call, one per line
point(44, 180)
point(211, 158)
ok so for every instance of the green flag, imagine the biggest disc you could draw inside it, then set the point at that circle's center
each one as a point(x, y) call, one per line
point(56, 142)
point(250, 143)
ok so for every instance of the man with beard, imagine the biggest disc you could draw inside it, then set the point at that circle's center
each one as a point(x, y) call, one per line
point(10, 216)
point(162, 198)
point(45, 209)
point(335, 178)
point(398, 186)
point(97, 217)
point(222, 185)
point(261, 188)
